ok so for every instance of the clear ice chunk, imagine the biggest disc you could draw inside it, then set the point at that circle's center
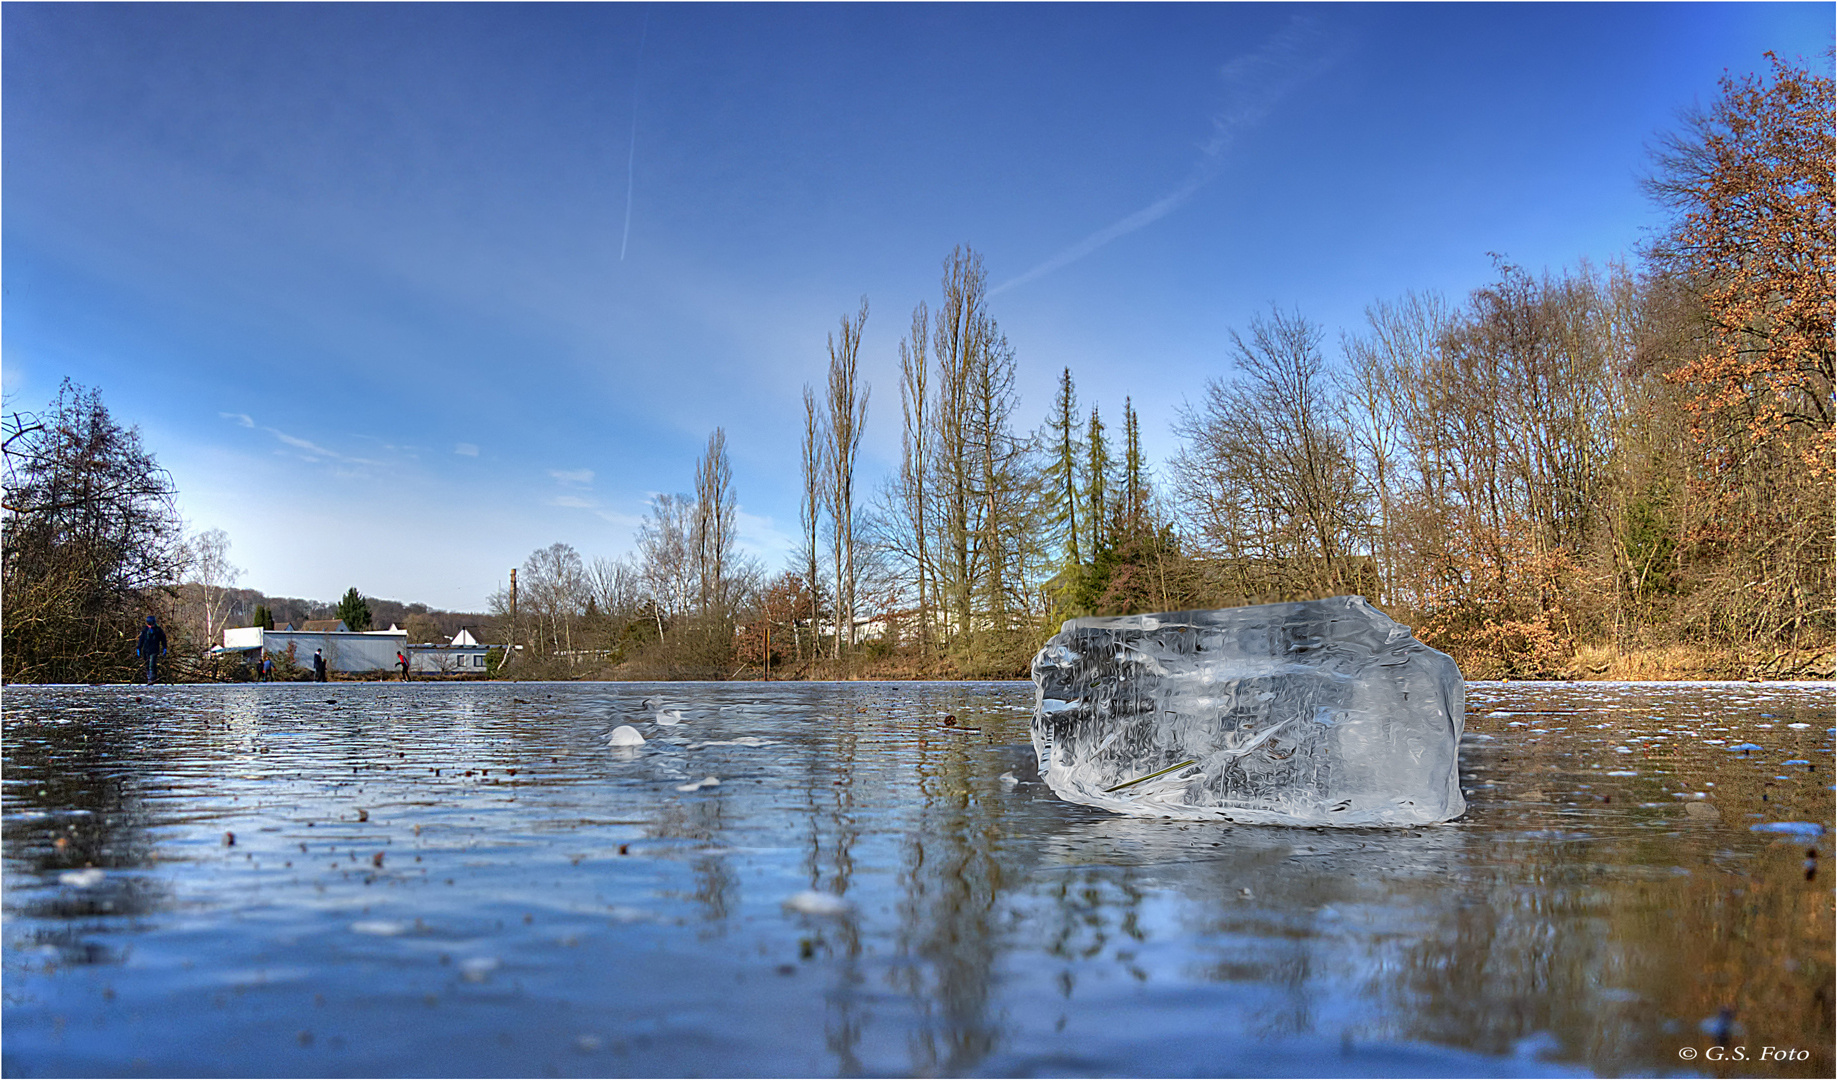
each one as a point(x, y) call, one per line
point(1323, 712)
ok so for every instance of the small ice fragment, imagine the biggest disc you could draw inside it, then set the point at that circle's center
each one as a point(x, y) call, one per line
point(379, 927)
point(82, 879)
point(1008, 779)
point(820, 904)
point(669, 717)
point(706, 781)
point(1623, 749)
point(1795, 761)
point(1802, 829)
point(625, 735)
point(1744, 747)
point(1623, 772)
point(478, 969)
point(1798, 727)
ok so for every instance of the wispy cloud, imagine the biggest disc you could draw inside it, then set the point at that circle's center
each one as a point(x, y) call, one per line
point(241, 418)
point(631, 156)
point(1254, 85)
point(312, 452)
point(466, 449)
point(573, 502)
point(573, 477)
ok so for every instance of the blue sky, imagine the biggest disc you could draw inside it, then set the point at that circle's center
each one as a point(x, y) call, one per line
point(402, 293)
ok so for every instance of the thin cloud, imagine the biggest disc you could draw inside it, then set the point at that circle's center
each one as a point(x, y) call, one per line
point(243, 419)
point(631, 155)
point(573, 477)
point(466, 449)
point(1254, 85)
point(312, 451)
point(573, 502)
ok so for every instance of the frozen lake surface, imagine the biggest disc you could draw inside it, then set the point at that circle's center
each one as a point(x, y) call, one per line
point(385, 879)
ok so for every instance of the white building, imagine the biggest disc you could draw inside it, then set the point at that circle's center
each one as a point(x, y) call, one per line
point(346, 651)
point(464, 655)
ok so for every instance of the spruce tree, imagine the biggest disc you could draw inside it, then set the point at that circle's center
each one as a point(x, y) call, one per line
point(1097, 467)
point(1062, 471)
point(354, 610)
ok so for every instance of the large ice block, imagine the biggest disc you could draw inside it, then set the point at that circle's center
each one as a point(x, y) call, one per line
point(1323, 712)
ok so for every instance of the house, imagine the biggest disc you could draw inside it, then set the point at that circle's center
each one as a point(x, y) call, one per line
point(464, 655)
point(345, 650)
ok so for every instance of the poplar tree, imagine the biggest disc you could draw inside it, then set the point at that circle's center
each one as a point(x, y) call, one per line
point(847, 417)
point(714, 529)
point(814, 500)
point(915, 459)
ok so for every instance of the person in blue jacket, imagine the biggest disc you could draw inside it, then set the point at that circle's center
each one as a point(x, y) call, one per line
point(150, 647)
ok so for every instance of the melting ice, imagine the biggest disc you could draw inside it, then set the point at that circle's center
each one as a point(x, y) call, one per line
point(1324, 712)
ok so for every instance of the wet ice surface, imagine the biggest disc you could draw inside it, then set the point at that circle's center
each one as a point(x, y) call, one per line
point(1321, 712)
point(382, 879)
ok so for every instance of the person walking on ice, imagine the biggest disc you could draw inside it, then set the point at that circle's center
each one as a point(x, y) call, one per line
point(150, 647)
point(318, 665)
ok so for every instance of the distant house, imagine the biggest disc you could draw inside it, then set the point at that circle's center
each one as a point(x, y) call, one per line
point(464, 655)
point(345, 650)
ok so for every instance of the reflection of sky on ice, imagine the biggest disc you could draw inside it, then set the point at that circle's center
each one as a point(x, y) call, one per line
point(467, 878)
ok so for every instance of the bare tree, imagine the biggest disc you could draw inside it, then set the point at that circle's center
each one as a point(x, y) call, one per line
point(714, 529)
point(666, 562)
point(812, 506)
point(846, 418)
point(207, 557)
point(1269, 472)
point(90, 541)
point(554, 593)
point(959, 339)
point(912, 486)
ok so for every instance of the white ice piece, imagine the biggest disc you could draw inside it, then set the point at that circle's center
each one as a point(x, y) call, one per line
point(1323, 712)
point(820, 904)
point(697, 785)
point(625, 735)
point(379, 927)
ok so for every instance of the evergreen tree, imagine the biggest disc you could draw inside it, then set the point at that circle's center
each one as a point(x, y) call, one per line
point(263, 618)
point(1097, 468)
point(354, 610)
point(1134, 501)
point(1062, 472)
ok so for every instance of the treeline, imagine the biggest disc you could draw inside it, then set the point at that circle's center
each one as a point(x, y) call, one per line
point(1625, 470)
point(1565, 473)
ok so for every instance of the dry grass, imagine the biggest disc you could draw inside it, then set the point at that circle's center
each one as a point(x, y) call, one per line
point(1661, 663)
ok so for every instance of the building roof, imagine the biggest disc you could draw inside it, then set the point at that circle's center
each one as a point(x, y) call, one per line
point(322, 626)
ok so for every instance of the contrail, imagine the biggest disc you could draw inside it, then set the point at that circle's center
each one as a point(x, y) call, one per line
point(1255, 83)
point(631, 157)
